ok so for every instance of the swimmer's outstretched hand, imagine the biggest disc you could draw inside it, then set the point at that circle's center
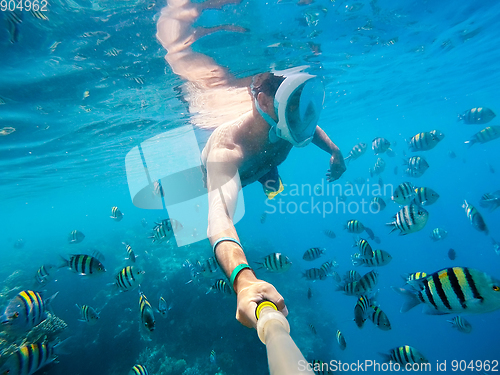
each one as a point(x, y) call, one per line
point(337, 167)
point(250, 293)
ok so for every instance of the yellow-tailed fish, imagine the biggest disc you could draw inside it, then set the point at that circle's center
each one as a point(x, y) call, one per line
point(404, 355)
point(475, 218)
point(26, 310)
point(461, 324)
point(83, 264)
point(138, 370)
point(425, 141)
point(341, 340)
point(453, 290)
point(409, 219)
point(275, 262)
point(481, 115)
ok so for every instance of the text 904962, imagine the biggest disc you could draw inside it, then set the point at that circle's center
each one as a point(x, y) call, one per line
point(24, 5)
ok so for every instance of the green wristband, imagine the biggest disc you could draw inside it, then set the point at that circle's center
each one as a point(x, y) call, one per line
point(236, 271)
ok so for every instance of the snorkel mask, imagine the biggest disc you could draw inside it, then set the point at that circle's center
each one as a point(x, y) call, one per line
point(298, 103)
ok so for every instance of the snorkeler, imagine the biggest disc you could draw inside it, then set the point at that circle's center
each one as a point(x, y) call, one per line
point(254, 123)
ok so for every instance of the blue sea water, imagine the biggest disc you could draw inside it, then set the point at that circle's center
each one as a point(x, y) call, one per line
point(392, 69)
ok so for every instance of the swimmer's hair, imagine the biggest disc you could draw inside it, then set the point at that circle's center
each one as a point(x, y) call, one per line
point(269, 86)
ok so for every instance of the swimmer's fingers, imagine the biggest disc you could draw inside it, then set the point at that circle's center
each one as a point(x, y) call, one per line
point(251, 296)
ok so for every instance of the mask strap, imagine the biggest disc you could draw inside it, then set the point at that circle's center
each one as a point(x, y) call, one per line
point(273, 138)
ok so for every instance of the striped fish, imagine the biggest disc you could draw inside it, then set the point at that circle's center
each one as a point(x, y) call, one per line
point(28, 359)
point(404, 193)
point(481, 115)
point(438, 234)
point(425, 141)
point(329, 233)
point(314, 274)
point(453, 290)
point(221, 286)
point(130, 252)
point(13, 19)
point(413, 173)
point(146, 312)
point(413, 276)
point(312, 328)
point(378, 168)
point(351, 276)
point(361, 310)
point(377, 204)
point(208, 267)
point(416, 166)
point(157, 188)
point(84, 265)
point(38, 14)
point(461, 324)
point(139, 80)
point(490, 200)
point(113, 52)
point(365, 250)
point(76, 236)
point(425, 196)
point(380, 258)
point(275, 262)
point(88, 314)
point(380, 145)
point(164, 230)
point(475, 218)
point(404, 355)
point(53, 46)
point(263, 217)
point(163, 307)
point(43, 274)
point(356, 152)
point(313, 253)
point(487, 134)
point(138, 370)
point(26, 310)
point(409, 219)
point(341, 340)
point(354, 226)
point(348, 288)
point(116, 214)
point(328, 267)
point(129, 278)
point(366, 283)
point(379, 318)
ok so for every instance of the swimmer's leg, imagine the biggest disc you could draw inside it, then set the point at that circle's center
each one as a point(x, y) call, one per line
point(176, 33)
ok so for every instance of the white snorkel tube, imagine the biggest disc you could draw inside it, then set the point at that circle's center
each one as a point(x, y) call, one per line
point(298, 103)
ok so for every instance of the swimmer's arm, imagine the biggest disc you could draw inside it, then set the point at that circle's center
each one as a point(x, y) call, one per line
point(324, 142)
point(223, 193)
point(337, 164)
point(223, 189)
